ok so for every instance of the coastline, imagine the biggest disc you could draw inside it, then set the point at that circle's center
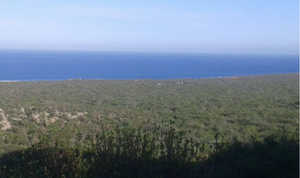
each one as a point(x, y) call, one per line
point(9, 81)
point(82, 79)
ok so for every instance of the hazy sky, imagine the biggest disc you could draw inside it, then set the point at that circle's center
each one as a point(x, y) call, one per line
point(204, 26)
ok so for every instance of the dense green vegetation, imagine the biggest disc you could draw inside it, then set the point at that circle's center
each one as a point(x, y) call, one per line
point(156, 152)
point(255, 117)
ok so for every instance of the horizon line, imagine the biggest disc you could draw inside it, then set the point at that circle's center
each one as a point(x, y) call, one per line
point(153, 52)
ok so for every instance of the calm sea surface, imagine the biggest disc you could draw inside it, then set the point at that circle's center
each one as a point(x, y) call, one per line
point(43, 65)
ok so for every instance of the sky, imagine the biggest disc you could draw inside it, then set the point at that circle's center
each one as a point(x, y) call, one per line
point(190, 26)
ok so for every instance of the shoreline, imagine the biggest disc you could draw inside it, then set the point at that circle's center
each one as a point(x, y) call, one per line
point(81, 79)
point(10, 81)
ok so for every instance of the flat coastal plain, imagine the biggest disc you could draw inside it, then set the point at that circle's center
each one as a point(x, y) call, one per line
point(237, 107)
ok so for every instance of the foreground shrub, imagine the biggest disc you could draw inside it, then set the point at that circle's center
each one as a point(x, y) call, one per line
point(156, 152)
point(271, 157)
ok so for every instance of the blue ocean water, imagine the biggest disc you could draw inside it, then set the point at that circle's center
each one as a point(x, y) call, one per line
point(54, 65)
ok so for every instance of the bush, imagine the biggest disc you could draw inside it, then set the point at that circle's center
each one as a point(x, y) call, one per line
point(158, 151)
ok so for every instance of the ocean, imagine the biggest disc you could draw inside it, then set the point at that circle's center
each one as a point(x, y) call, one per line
point(17, 65)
